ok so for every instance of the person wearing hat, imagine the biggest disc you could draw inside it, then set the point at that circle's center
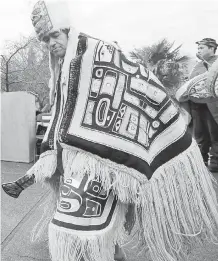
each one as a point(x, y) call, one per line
point(117, 154)
point(205, 115)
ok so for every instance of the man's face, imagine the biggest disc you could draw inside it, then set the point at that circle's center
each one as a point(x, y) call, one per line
point(56, 42)
point(205, 51)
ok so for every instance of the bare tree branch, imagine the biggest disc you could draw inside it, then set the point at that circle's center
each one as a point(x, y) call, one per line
point(26, 68)
point(3, 57)
point(19, 48)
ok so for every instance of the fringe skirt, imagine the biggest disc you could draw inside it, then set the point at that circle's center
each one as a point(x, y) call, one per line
point(176, 207)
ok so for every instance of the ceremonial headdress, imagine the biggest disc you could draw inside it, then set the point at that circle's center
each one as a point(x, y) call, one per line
point(50, 16)
point(47, 16)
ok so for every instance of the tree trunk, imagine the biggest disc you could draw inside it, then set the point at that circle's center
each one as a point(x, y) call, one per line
point(6, 78)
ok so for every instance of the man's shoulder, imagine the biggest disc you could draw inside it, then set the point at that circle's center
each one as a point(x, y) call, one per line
point(198, 64)
point(84, 35)
point(198, 68)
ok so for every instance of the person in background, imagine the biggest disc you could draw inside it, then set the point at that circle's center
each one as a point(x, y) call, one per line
point(205, 115)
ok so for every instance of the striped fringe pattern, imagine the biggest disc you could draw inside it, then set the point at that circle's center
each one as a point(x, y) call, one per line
point(176, 207)
point(88, 245)
point(125, 182)
point(45, 171)
point(40, 230)
point(179, 206)
point(45, 167)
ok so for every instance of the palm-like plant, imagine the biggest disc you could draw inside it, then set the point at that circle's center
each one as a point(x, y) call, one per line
point(164, 61)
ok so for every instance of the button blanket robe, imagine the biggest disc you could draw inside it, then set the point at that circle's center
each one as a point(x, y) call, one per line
point(124, 147)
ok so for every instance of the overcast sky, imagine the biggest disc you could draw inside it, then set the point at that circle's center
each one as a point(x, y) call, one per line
point(133, 23)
